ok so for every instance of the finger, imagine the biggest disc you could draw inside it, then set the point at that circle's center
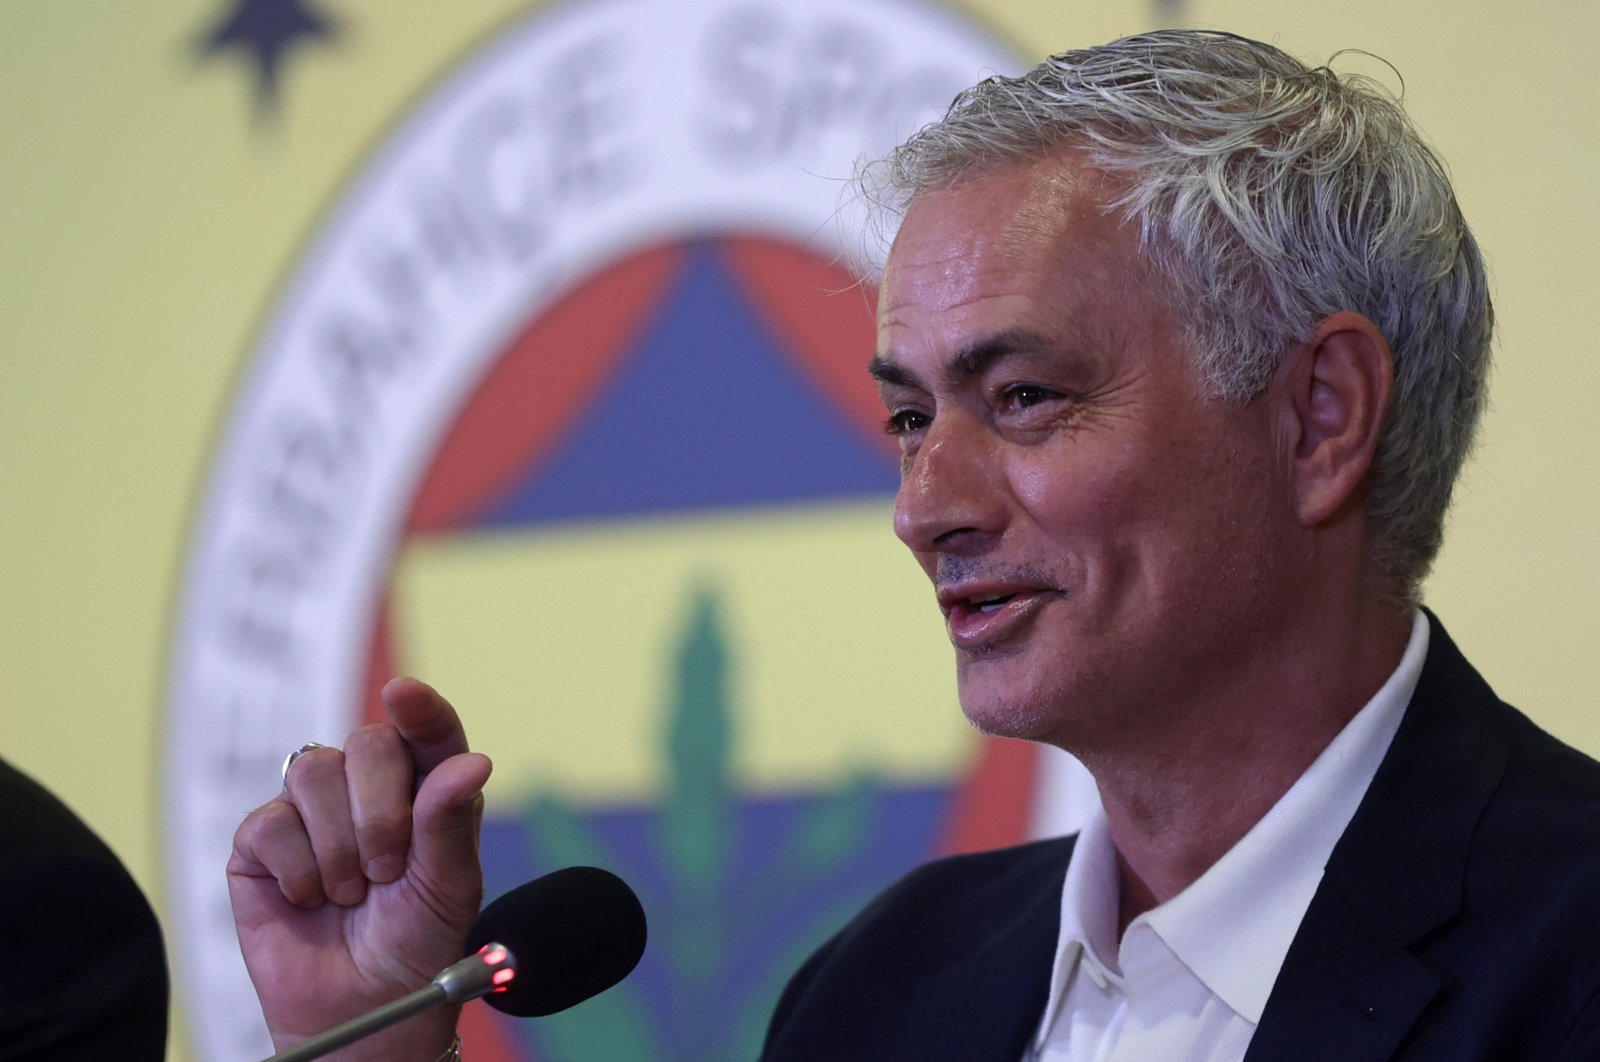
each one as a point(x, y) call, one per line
point(446, 819)
point(380, 777)
point(317, 788)
point(272, 843)
point(426, 721)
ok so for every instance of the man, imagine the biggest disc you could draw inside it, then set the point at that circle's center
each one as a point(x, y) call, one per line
point(83, 973)
point(1184, 344)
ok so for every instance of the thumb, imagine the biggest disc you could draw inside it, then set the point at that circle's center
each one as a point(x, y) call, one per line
point(447, 816)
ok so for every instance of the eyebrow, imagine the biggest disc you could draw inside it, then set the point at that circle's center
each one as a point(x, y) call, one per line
point(966, 364)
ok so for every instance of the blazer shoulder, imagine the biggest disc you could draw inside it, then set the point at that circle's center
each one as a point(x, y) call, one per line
point(67, 894)
point(939, 915)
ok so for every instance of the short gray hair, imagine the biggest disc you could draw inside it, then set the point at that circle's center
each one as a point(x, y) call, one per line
point(1269, 195)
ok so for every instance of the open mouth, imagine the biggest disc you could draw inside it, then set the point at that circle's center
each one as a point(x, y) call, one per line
point(985, 620)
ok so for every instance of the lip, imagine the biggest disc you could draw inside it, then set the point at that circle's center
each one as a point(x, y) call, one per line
point(975, 630)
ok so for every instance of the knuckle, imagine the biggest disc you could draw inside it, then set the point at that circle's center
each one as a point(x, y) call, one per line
point(270, 820)
point(318, 761)
point(384, 841)
point(384, 826)
point(315, 768)
point(339, 857)
point(373, 737)
point(303, 888)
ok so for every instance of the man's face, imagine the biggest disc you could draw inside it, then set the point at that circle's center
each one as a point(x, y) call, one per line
point(1106, 542)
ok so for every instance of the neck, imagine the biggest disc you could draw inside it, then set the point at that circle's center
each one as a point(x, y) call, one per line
point(1178, 800)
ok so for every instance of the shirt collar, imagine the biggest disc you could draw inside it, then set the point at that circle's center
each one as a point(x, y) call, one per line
point(1233, 925)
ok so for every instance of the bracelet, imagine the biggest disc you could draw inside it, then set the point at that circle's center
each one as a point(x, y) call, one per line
point(451, 1053)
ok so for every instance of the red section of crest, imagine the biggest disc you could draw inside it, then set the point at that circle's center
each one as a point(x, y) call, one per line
point(486, 1036)
point(993, 805)
point(545, 378)
point(822, 314)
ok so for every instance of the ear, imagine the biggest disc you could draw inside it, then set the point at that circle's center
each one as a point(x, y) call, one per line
point(1334, 392)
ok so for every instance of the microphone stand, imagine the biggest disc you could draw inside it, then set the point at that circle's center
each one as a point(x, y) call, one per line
point(491, 969)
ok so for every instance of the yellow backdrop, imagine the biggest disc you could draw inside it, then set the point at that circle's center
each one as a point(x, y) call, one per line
point(146, 221)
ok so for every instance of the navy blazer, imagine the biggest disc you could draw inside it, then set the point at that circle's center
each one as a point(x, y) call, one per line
point(1458, 919)
point(83, 973)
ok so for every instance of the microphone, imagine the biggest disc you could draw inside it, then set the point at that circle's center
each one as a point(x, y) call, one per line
point(544, 946)
point(586, 928)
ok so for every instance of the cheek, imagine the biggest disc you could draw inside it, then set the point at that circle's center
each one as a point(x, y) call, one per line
point(1091, 528)
point(1225, 533)
point(1142, 524)
point(1088, 491)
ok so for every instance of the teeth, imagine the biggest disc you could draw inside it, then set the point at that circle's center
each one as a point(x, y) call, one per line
point(993, 604)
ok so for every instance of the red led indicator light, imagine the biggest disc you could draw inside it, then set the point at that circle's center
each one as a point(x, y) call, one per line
point(504, 977)
point(495, 957)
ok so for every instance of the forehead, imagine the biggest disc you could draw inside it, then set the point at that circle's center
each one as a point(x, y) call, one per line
point(1033, 247)
point(1017, 201)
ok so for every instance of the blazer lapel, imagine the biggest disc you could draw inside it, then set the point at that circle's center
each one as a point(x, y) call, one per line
point(1351, 1001)
point(1350, 989)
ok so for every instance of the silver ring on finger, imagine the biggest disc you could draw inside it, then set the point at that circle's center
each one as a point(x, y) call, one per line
point(288, 761)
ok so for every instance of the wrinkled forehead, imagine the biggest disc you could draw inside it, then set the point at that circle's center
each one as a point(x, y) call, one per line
point(1015, 195)
point(1040, 242)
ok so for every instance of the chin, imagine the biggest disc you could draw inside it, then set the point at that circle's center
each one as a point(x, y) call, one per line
point(1071, 712)
point(1024, 718)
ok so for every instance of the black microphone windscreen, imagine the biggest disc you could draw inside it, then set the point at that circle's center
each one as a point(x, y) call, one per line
point(574, 933)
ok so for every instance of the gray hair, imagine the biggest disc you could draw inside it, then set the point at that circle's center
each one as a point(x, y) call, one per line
point(1269, 195)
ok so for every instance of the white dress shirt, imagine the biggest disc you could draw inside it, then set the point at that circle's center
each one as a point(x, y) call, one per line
point(1190, 977)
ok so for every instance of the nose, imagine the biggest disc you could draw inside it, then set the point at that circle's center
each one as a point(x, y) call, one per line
point(952, 492)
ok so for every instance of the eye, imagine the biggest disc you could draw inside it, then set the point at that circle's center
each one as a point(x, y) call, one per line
point(1024, 395)
point(905, 422)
